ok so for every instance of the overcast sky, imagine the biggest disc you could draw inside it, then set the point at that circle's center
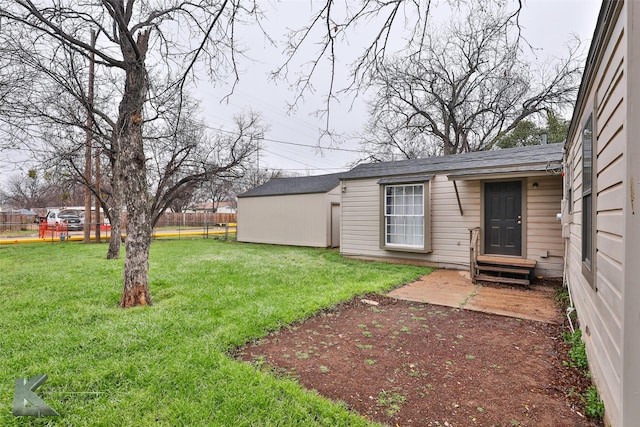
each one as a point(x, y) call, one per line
point(548, 25)
point(292, 140)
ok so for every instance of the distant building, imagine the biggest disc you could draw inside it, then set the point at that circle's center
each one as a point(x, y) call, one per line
point(224, 206)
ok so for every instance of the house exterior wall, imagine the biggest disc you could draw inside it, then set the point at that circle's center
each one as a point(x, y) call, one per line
point(608, 306)
point(631, 278)
point(360, 232)
point(298, 220)
point(544, 242)
point(360, 225)
point(226, 209)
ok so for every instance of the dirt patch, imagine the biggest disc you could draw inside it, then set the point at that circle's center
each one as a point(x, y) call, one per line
point(410, 363)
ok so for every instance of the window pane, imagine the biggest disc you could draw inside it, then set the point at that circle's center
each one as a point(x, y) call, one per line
point(586, 229)
point(404, 215)
point(587, 193)
point(587, 154)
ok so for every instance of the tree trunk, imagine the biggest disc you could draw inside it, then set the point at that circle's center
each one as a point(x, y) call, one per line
point(135, 289)
point(114, 241)
point(115, 219)
point(132, 173)
point(116, 201)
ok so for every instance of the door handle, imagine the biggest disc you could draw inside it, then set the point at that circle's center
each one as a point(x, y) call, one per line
point(519, 219)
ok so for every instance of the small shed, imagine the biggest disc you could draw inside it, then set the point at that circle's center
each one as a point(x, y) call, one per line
point(301, 211)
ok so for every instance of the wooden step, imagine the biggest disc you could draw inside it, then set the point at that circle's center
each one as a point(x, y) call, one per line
point(509, 280)
point(523, 271)
point(513, 262)
point(515, 271)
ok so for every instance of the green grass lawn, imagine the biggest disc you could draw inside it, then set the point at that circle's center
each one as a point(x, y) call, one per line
point(169, 364)
point(29, 230)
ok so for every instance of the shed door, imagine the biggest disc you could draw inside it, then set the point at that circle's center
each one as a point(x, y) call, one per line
point(335, 225)
point(503, 218)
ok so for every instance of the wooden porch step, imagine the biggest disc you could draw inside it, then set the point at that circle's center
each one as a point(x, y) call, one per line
point(513, 262)
point(524, 271)
point(515, 271)
point(510, 280)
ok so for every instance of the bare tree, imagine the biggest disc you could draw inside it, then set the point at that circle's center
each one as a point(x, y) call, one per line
point(386, 141)
point(30, 191)
point(440, 90)
point(215, 191)
point(191, 158)
point(463, 87)
point(47, 117)
point(134, 38)
point(222, 189)
point(361, 34)
point(183, 199)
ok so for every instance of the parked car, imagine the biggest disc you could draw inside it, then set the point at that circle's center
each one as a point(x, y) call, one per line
point(71, 218)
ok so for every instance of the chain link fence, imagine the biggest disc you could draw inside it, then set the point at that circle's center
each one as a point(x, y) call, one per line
point(18, 223)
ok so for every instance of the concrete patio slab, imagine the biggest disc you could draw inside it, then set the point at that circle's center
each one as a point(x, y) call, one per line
point(453, 288)
point(533, 303)
point(450, 288)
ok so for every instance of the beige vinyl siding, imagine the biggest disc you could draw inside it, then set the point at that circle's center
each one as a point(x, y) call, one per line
point(602, 311)
point(299, 220)
point(544, 242)
point(449, 229)
point(360, 223)
point(360, 235)
point(631, 196)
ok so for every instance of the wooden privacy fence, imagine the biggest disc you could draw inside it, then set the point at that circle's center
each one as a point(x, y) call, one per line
point(178, 219)
point(14, 221)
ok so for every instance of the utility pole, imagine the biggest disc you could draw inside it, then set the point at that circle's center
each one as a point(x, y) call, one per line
point(98, 206)
point(257, 163)
point(88, 141)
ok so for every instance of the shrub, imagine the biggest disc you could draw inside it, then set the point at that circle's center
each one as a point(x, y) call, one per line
point(594, 407)
point(577, 353)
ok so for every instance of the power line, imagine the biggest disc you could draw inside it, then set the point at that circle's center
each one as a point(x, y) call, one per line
point(290, 159)
point(297, 144)
point(316, 169)
point(312, 146)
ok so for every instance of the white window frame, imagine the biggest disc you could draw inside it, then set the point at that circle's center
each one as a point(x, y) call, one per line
point(421, 216)
point(405, 216)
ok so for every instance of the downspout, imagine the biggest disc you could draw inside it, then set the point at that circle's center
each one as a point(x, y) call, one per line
point(565, 282)
point(564, 220)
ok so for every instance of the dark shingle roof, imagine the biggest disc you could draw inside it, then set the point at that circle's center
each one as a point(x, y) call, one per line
point(298, 185)
point(532, 158)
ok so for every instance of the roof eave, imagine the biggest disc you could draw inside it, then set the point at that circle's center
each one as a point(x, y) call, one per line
point(293, 193)
point(497, 175)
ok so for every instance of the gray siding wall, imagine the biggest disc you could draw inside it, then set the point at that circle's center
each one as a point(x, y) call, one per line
point(359, 225)
point(360, 234)
point(299, 220)
point(631, 233)
point(602, 312)
point(543, 231)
